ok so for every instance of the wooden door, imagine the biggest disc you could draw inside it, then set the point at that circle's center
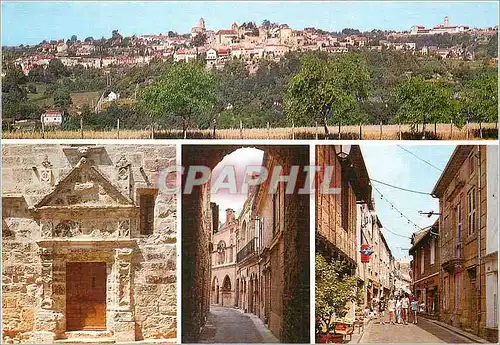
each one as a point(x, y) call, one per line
point(86, 296)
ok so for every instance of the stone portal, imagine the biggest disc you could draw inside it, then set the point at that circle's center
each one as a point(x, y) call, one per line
point(85, 296)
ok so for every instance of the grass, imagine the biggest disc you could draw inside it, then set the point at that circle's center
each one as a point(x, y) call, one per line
point(81, 98)
point(389, 132)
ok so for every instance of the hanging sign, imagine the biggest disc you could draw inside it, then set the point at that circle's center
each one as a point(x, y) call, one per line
point(366, 251)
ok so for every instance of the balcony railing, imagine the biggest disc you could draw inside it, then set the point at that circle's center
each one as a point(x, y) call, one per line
point(247, 250)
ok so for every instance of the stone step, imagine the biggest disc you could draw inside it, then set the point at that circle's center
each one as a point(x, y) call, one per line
point(85, 341)
point(88, 334)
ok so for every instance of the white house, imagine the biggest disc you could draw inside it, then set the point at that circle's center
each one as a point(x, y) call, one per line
point(211, 57)
point(52, 118)
point(113, 96)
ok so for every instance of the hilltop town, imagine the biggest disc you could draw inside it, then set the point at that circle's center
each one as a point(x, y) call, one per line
point(246, 41)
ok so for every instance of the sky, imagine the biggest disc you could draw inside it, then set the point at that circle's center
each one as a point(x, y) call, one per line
point(239, 160)
point(393, 165)
point(33, 21)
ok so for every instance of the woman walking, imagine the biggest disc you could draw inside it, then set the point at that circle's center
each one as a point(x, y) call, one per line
point(414, 309)
point(405, 305)
point(392, 308)
point(398, 309)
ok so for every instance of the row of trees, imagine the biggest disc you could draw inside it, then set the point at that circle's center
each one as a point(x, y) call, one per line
point(319, 89)
point(303, 89)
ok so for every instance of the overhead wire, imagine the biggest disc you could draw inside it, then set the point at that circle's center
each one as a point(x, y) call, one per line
point(401, 188)
point(419, 158)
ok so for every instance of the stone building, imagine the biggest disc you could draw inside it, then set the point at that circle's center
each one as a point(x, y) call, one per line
point(287, 288)
point(223, 269)
point(88, 238)
point(402, 277)
point(425, 268)
point(468, 208)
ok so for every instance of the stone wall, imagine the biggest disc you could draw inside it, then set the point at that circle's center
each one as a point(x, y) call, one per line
point(51, 216)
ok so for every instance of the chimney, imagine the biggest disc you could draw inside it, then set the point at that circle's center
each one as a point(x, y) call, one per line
point(229, 215)
point(446, 21)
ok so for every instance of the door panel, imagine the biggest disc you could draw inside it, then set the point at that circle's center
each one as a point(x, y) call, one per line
point(86, 296)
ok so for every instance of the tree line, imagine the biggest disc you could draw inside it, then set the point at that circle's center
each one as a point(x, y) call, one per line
point(300, 89)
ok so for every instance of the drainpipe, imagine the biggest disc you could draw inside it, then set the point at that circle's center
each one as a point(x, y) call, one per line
point(479, 240)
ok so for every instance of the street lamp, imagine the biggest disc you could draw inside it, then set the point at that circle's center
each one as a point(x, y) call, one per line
point(342, 151)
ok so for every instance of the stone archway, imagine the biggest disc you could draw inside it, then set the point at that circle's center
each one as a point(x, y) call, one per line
point(215, 291)
point(226, 291)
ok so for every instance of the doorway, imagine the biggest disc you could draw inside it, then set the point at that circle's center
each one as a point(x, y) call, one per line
point(86, 296)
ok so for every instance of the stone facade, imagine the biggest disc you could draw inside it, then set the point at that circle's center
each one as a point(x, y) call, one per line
point(425, 268)
point(97, 216)
point(468, 240)
point(223, 290)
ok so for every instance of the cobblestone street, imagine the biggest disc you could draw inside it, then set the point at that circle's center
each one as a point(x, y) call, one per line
point(423, 332)
point(229, 325)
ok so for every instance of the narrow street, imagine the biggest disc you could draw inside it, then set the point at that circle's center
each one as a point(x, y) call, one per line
point(423, 332)
point(230, 325)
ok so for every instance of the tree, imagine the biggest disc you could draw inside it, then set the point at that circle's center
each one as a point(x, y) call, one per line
point(266, 24)
point(335, 289)
point(73, 39)
point(327, 88)
point(199, 40)
point(424, 101)
point(57, 68)
point(62, 98)
point(89, 39)
point(186, 92)
point(480, 96)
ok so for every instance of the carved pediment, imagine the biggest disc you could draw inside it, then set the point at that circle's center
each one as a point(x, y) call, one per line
point(84, 187)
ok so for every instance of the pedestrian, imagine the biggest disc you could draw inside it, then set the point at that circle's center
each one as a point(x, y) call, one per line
point(414, 309)
point(367, 311)
point(392, 309)
point(405, 304)
point(381, 310)
point(398, 309)
point(374, 306)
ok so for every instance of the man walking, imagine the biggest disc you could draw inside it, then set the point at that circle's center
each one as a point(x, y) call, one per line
point(381, 310)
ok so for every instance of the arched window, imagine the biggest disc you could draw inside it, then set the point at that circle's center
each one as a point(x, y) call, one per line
point(226, 285)
point(221, 252)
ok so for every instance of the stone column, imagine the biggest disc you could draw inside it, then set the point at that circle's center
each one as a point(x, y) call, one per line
point(124, 321)
point(49, 324)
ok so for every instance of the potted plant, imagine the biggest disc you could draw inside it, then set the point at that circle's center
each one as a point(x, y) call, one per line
point(335, 289)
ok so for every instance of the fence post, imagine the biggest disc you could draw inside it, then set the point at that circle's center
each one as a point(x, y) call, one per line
point(43, 130)
point(480, 130)
point(81, 127)
point(316, 125)
point(399, 130)
point(360, 134)
point(152, 132)
point(293, 130)
point(268, 130)
point(451, 129)
point(467, 129)
point(380, 130)
point(241, 129)
point(118, 128)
